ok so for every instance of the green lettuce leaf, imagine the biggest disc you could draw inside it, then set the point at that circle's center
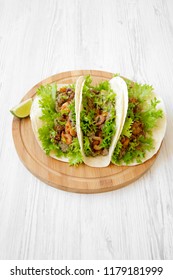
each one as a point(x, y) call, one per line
point(97, 98)
point(47, 95)
point(142, 108)
point(74, 155)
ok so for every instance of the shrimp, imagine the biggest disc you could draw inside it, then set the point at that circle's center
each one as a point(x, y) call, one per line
point(63, 89)
point(68, 126)
point(97, 147)
point(65, 108)
point(66, 138)
point(100, 119)
point(73, 131)
point(69, 129)
point(96, 143)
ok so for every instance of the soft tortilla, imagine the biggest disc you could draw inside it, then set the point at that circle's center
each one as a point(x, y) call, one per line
point(120, 88)
point(158, 134)
point(36, 123)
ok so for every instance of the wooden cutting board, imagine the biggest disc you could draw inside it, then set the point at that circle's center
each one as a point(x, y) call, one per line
point(81, 179)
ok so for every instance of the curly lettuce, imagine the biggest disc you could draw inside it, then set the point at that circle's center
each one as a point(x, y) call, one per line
point(95, 99)
point(47, 94)
point(143, 109)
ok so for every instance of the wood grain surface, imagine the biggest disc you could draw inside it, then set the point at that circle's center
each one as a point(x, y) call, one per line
point(39, 38)
point(81, 179)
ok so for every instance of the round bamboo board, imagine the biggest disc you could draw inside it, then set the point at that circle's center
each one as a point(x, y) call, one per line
point(81, 179)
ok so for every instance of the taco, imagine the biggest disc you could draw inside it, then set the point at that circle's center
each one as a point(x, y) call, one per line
point(116, 121)
point(53, 120)
point(100, 118)
point(144, 127)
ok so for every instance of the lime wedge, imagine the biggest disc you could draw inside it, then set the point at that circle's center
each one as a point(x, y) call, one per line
point(22, 110)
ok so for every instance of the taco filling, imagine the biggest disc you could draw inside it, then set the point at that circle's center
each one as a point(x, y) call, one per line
point(98, 118)
point(138, 136)
point(57, 132)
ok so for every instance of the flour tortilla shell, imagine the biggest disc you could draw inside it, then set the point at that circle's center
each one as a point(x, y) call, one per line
point(36, 123)
point(120, 88)
point(158, 134)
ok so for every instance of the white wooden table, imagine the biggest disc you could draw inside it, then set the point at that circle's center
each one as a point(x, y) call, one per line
point(39, 38)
